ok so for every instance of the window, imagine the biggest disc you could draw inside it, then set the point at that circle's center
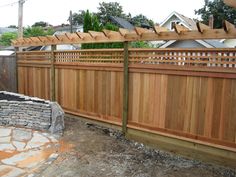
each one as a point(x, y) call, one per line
point(173, 24)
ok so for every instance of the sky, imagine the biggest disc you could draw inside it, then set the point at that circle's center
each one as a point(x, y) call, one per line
point(56, 12)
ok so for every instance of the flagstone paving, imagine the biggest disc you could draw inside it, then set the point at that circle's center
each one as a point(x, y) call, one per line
point(22, 151)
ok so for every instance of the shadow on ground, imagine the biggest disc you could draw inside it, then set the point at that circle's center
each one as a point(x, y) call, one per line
point(93, 151)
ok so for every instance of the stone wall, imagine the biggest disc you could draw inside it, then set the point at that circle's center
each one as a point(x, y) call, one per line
point(32, 113)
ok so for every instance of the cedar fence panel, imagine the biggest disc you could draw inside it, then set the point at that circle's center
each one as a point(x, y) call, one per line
point(8, 73)
point(189, 93)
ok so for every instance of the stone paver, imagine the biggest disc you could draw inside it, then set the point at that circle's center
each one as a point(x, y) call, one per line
point(5, 132)
point(20, 146)
point(9, 171)
point(7, 147)
point(23, 156)
point(6, 139)
point(21, 135)
point(37, 141)
point(24, 150)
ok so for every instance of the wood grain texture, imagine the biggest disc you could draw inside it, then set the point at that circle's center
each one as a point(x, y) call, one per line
point(192, 106)
point(97, 93)
point(193, 100)
point(34, 81)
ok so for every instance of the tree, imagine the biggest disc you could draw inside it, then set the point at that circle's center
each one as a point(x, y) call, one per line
point(12, 26)
point(87, 22)
point(105, 10)
point(78, 18)
point(91, 23)
point(140, 20)
point(6, 38)
point(219, 10)
point(40, 23)
point(37, 31)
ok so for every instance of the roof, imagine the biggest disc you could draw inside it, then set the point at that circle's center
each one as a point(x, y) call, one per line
point(5, 30)
point(6, 52)
point(190, 23)
point(205, 43)
point(122, 22)
point(66, 28)
point(215, 43)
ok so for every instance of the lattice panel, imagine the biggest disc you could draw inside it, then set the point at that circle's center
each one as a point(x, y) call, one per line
point(90, 56)
point(185, 57)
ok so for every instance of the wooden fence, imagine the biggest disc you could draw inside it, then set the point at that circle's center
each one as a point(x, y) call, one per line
point(8, 73)
point(189, 93)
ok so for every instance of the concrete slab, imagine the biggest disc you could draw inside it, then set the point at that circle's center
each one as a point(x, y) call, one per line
point(21, 135)
point(5, 132)
point(9, 171)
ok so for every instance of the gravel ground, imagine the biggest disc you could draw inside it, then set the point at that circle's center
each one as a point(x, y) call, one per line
point(94, 151)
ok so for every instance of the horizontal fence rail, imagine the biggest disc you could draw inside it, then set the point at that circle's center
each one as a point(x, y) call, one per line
point(35, 57)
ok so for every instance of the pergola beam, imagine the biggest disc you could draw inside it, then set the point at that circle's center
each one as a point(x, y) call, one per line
point(139, 34)
point(180, 28)
point(202, 27)
point(228, 26)
point(160, 29)
point(231, 3)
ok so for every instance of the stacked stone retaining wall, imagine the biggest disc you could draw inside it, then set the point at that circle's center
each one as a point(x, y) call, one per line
point(31, 113)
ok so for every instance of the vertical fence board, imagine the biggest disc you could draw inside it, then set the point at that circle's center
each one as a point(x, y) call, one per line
point(8, 73)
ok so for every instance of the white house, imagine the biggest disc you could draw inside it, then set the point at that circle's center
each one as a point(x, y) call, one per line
point(177, 18)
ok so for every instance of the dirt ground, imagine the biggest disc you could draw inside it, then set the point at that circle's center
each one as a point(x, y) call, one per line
point(93, 151)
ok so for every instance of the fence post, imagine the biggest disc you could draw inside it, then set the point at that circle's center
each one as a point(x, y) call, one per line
point(126, 87)
point(52, 75)
point(16, 50)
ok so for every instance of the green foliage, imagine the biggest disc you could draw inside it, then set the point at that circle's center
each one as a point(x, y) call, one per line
point(219, 10)
point(40, 23)
point(91, 23)
point(140, 20)
point(140, 44)
point(37, 31)
point(107, 9)
point(78, 18)
point(6, 38)
point(110, 26)
point(12, 26)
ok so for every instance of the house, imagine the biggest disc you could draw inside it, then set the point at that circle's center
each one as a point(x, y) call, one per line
point(7, 51)
point(231, 43)
point(177, 18)
point(122, 23)
point(62, 29)
point(7, 30)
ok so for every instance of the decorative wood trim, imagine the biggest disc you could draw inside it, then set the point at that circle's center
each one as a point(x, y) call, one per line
point(204, 32)
point(202, 27)
point(231, 3)
point(228, 26)
point(160, 29)
point(180, 28)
